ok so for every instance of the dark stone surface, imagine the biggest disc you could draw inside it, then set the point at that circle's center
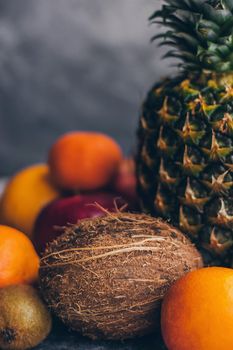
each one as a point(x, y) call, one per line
point(62, 340)
point(72, 64)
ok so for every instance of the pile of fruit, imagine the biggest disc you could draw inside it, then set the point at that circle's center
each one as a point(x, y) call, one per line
point(85, 177)
point(74, 240)
point(83, 169)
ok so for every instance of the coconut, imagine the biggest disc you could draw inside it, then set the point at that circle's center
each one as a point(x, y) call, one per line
point(106, 277)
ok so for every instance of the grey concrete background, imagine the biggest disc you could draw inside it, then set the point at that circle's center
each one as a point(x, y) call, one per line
point(72, 64)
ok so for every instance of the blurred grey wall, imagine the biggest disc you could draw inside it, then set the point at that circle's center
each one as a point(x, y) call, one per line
point(72, 64)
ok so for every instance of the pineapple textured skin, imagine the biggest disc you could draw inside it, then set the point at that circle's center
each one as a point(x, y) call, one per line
point(185, 159)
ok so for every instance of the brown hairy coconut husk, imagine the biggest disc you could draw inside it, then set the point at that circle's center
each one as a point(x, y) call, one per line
point(106, 277)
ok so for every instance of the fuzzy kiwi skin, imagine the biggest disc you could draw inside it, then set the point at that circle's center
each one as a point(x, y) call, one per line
point(106, 277)
point(24, 319)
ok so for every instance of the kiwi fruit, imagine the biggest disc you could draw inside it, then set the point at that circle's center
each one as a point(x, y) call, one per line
point(105, 277)
point(24, 319)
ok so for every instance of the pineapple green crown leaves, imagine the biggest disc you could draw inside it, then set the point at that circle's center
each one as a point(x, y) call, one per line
point(200, 32)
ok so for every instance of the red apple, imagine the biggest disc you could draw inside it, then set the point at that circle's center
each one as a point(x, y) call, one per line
point(70, 210)
point(125, 182)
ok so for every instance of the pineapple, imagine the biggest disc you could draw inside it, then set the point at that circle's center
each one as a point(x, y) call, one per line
point(185, 157)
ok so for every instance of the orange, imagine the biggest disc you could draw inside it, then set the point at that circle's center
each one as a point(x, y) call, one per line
point(25, 195)
point(84, 160)
point(19, 263)
point(197, 312)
